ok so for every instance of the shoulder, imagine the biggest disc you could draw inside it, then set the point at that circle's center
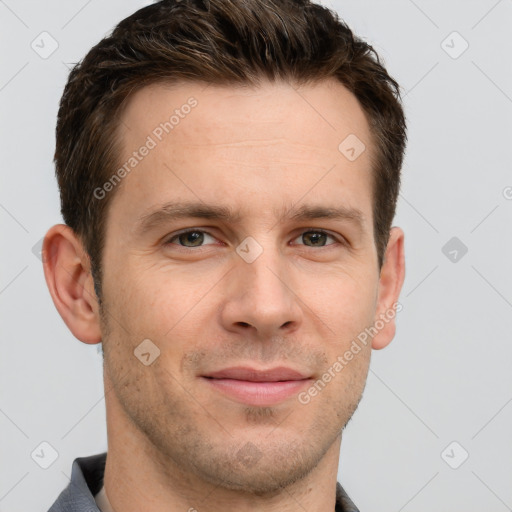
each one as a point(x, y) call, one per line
point(86, 481)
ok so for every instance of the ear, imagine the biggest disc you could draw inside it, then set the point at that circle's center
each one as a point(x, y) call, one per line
point(67, 272)
point(391, 279)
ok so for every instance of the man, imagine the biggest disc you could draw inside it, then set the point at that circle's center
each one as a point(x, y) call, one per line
point(229, 172)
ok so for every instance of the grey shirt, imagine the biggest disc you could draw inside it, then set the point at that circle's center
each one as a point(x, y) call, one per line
point(87, 481)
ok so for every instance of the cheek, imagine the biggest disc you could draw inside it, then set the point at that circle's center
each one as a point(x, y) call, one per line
point(346, 304)
point(161, 300)
point(161, 304)
point(347, 371)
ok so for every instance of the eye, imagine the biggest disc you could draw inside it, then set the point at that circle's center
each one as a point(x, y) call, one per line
point(198, 238)
point(191, 238)
point(316, 238)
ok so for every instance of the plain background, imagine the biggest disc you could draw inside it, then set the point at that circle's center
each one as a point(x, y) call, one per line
point(447, 375)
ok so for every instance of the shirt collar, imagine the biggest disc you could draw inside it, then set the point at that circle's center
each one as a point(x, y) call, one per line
point(87, 481)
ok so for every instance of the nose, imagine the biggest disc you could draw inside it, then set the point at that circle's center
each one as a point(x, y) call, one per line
point(262, 298)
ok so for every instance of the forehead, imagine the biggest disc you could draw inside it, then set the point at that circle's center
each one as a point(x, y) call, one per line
point(245, 147)
point(309, 113)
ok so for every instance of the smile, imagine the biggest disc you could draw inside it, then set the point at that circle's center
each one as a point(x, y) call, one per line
point(257, 387)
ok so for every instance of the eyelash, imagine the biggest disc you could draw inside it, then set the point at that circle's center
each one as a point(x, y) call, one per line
point(339, 240)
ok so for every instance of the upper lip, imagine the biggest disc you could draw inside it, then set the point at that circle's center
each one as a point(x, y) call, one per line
point(280, 373)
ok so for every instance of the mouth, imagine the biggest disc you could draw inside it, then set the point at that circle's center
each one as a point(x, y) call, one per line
point(257, 387)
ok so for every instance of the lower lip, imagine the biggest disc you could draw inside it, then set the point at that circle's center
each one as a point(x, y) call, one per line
point(258, 393)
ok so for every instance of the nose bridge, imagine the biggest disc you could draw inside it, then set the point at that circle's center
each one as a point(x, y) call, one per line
point(266, 276)
point(263, 295)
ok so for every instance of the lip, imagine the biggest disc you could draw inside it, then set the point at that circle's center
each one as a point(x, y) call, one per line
point(257, 387)
point(280, 373)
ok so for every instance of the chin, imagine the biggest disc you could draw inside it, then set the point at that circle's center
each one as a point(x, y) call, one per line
point(261, 469)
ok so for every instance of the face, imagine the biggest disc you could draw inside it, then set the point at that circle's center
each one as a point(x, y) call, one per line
point(241, 246)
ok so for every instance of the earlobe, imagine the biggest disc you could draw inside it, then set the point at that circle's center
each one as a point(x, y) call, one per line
point(391, 279)
point(67, 273)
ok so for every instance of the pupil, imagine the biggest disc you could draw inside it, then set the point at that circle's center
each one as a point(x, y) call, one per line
point(193, 237)
point(315, 237)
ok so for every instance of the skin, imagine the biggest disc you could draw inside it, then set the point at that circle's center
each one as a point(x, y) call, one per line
point(175, 442)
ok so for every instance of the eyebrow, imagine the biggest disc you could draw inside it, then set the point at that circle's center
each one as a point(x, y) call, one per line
point(345, 213)
point(170, 212)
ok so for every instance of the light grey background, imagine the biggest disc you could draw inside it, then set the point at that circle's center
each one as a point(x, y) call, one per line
point(447, 375)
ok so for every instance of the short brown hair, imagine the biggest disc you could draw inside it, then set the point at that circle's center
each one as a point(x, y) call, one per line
point(222, 42)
